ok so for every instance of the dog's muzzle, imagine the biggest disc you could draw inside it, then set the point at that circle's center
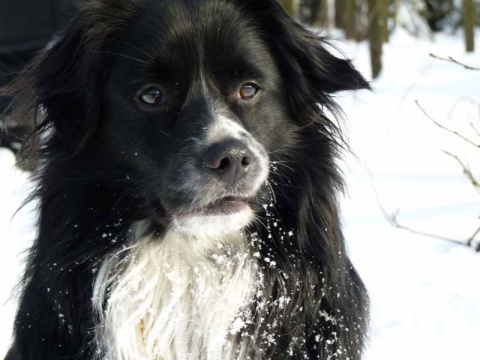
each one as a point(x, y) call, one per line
point(222, 181)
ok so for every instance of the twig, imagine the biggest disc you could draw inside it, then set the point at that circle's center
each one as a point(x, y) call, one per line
point(416, 82)
point(463, 99)
point(452, 60)
point(445, 128)
point(468, 173)
point(393, 220)
point(471, 238)
point(475, 129)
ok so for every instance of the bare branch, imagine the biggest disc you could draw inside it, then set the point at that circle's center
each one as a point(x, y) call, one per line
point(471, 238)
point(466, 170)
point(445, 128)
point(393, 220)
point(452, 60)
point(412, 87)
point(475, 129)
point(463, 99)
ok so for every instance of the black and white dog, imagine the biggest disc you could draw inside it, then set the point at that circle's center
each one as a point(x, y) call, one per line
point(188, 189)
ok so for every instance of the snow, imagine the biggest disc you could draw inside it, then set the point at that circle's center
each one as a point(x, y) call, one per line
point(425, 292)
point(16, 233)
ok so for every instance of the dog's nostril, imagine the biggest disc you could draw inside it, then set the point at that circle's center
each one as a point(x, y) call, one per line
point(224, 163)
point(246, 160)
point(229, 159)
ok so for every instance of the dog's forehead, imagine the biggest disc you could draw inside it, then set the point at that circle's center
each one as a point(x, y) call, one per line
point(190, 34)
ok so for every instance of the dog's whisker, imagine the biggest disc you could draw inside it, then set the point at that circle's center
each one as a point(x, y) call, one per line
point(272, 192)
point(149, 55)
point(167, 134)
point(121, 55)
point(297, 187)
point(283, 163)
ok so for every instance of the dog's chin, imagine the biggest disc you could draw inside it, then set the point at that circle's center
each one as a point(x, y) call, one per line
point(224, 216)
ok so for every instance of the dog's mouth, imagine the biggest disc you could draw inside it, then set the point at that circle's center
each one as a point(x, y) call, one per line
point(224, 215)
point(224, 206)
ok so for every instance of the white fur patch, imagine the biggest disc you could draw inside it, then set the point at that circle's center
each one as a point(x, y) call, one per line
point(214, 225)
point(174, 299)
point(224, 128)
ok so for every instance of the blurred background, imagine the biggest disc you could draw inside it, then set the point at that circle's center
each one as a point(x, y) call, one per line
point(412, 208)
point(375, 20)
point(411, 211)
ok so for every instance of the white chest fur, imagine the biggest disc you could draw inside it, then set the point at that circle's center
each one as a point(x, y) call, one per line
point(176, 298)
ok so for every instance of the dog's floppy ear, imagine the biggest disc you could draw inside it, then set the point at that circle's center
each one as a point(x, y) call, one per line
point(59, 89)
point(67, 84)
point(63, 85)
point(301, 54)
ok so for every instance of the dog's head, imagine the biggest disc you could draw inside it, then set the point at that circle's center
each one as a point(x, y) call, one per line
point(191, 99)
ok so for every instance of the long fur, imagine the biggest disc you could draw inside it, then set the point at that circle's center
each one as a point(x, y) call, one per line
point(107, 277)
point(155, 302)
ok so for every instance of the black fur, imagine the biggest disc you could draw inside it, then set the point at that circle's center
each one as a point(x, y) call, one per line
point(102, 162)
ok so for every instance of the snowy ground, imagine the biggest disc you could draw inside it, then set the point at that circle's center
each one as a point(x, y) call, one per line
point(425, 292)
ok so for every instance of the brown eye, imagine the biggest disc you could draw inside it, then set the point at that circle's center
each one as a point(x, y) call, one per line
point(152, 96)
point(249, 91)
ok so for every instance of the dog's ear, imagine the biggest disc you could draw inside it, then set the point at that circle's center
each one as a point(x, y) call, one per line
point(301, 55)
point(60, 88)
point(67, 83)
point(63, 84)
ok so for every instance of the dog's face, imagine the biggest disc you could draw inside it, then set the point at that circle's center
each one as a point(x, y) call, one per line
point(192, 99)
point(194, 103)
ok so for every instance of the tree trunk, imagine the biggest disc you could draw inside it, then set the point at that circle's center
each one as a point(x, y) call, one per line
point(291, 7)
point(339, 14)
point(321, 18)
point(376, 36)
point(349, 17)
point(397, 12)
point(384, 19)
point(469, 24)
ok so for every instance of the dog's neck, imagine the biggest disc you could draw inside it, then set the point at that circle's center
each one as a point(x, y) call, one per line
point(178, 297)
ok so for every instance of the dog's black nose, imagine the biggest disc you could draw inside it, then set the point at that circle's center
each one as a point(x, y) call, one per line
point(229, 159)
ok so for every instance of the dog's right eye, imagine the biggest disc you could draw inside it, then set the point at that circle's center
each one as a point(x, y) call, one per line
point(152, 96)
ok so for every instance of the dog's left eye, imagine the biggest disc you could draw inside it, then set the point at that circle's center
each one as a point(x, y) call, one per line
point(249, 91)
point(152, 96)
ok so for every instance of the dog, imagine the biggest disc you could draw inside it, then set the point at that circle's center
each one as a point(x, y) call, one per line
point(187, 182)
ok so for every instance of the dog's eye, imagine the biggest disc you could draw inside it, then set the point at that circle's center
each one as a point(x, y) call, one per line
point(152, 96)
point(249, 91)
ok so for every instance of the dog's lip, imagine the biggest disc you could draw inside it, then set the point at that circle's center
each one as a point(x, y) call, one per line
point(223, 206)
point(228, 200)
